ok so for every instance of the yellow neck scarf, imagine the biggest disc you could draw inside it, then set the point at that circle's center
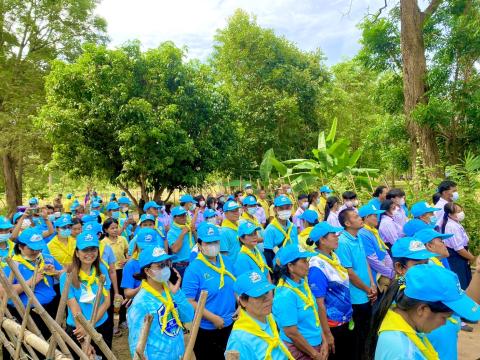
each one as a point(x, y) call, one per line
point(275, 223)
point(305, 233)
point(28, 264)
point(309, 300)
point(381, 244)
point(228, 224)
point(166, 301)
point(90, 280)
point(247, 324)
point(335, 263)
point(436, 261)
point(395, 322)
point(61, 252)
point(10, 247)
point(190, 237)
point(256, 257)
point(221, 270)
point(252, 219)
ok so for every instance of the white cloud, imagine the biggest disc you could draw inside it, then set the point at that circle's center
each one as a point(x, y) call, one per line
point(328, 24)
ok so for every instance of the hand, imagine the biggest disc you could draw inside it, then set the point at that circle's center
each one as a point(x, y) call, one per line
point(44, 214)
point(372, 294)
point(123, 262)
point(80, 333)
point(175, 287)
point(324, 351)
point(49, 269)
point(185, 230)
point(218, 322)
point(118, 296)
point(330, 342)
point(39, 276)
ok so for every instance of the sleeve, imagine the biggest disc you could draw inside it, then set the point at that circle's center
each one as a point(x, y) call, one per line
point(224, 241)
point(269, 238)
point(379, 267)
point(108, 282)
point(367, 243)
point(57, 265)
point(191, 283)
point(318, 282)
point(172, 236)
point(236, 343)
point(344, 254)
point(392, 345)
point(285, 300)
point(108, 255)
point(388, 233)
point(185, 309)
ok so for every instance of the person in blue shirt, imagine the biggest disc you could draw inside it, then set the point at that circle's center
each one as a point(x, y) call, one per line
point(329, 283)
point(229, 243)
point(363, 288)
point(281, 231)
point(86, 271)
point(6, 245)
point(294, 306)
point(430, 296)
point(212, 272)
point(254, 334)
point(378, 196)
point(181, 239)
point(250, 258)
point(160, 296)
point(27, 251)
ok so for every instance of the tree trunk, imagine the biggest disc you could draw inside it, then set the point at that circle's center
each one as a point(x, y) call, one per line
point(12, 190)
point(414, 75)
point(129, 194)
point(157, 195)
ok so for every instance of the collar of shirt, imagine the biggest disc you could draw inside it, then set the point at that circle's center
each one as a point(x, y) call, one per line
point(349, 236)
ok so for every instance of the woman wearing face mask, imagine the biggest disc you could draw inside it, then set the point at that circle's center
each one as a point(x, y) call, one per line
point(447, 192)
point(202, 205)
point(294, 306)
point(390, 231)
point(331, 211)
point(25, 221)
point(86, 270)
point(113, 210)
point(457, 246)
point(213, 204)
point(160, 295)
point(181, 239)
point(310, 219)
point(62, 246)
point(302, 206)
point(250, 213)
point(314, 203)
point(119, 246)
point(27, 251)
point(429, 298)
point(398, 197)
point(163, 217)
point(350, 201)
point(6, 245)
point(212, 272)
point(250, 257)
point(254, 334)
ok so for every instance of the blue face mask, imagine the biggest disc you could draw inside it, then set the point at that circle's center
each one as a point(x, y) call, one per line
point(115, 214)
point(4, 237)
point(433, 220)
point(65, 233)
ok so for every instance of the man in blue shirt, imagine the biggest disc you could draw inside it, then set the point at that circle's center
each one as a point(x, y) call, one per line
point(229, 243)
point(363, 289)
point(180, 239)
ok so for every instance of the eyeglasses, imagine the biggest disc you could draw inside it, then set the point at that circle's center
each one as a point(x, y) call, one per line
point(160, 266)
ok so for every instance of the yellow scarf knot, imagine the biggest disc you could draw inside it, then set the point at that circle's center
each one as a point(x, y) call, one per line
point(381, 244)
point(286, 234)
point(221, 270)
point(309, 300)
point(256, 257)
point(21, 260)
point(335, 263)
point(90, 280)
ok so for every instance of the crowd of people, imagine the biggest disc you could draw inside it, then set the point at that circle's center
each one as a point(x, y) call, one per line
point(312, 276)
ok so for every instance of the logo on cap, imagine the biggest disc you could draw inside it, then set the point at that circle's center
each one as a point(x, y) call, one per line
point(65, 220)
point(148, 238)
point(231, 204)
point(210, 231)
point(89, 237)
point(36, 238)
point(158, 252)
point(416, 246)
point(89, 227)
point(255, 277)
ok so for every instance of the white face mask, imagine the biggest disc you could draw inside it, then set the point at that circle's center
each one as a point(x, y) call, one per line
point(201, 203)
point(212, 220)
point(284, 214)
point(26, 223)
point(304, 205)
point(193, 207)
point(460, 216)
point(161, 276)
point(210, 250)
point(252, 210)
point(349, 203)
point(289, 191)
point(401, 202)
point(456, 196)
point(355, 202)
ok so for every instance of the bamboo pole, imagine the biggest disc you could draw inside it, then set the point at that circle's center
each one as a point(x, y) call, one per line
point(7, 344)
point(23, 327)
point(30, 350)
point(60, 314)
point(142, 341)
point(31, 339)
point(54, 328)
point(95, 336)
point(232, 355)
point(4, 303)
point(96, 304)
point(195, 325)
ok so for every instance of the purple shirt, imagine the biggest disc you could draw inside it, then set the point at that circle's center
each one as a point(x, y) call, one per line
point(389, 230)
point(164, 219)
point(332, 219)
point(260, 215)
point(459, 240)
point(296, 219)
point(200, 218)
point(343, 207)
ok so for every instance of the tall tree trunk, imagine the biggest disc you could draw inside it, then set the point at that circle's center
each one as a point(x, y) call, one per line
point(414, 75)
point(157, 195)
point(13, 193)
point(129, 194)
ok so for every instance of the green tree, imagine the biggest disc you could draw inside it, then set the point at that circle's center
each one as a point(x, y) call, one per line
point(149, 119)
point(32, 33)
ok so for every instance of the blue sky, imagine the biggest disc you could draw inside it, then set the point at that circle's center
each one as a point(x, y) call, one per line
point(327, 24)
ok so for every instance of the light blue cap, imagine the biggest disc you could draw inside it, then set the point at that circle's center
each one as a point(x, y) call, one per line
point(433, 283)
point(74, 206)
point(420, 208)
point(151, 255)
point(112, 205)
point(253, 284)
point(33, 201)
point(32, 237)
point(411, 248)
point(209, 213)
point(230, 205)
point(5, 223)
point(87, 239)
point(93, 227)
point(147, 237)
point(124, 200)
point(187, 198)
point(309, 216)
point(17, 216)
point(146, 217)
point(413, 226)
point(249, 201)
point(247, 186)
point(208, 232)
point(95, 204)
point(63, 220)
point(150, 204)
point(281, 201)
point(321, 229)
point(369, 209)
point(247, 228)
point(326, 189)
point(178, 211)
point(69, 196)
point(427, 235)
point(290, 253)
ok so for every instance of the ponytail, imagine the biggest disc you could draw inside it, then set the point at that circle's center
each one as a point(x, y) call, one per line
point(448, 209)
point(331, 201)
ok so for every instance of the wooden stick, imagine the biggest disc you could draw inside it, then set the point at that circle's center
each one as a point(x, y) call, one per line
point(142, 340)
point(195, 325)
point(30, 350)
point(4, 303)
point(7, 344)
point(95, 336)
point(60, 314)
point(31, 339)
point(54, 328)
point(232, 355)
point(96, 304)
point(27, 311)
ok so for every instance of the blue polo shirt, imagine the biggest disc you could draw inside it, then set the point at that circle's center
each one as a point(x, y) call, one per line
point(76, 293)
point(43, 293)
point(131, 268)
point(352, 255)
point(229, 243)
point(251, 347)
point(289, 310)
point(395, 345)
point(221, 302)
point(370, 246)
point(273, 237)
point(445, 338)
point(172, 236)
point(245, 263)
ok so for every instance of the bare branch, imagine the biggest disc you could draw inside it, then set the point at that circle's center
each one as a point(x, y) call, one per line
point(375, 16)
point(431, 8)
